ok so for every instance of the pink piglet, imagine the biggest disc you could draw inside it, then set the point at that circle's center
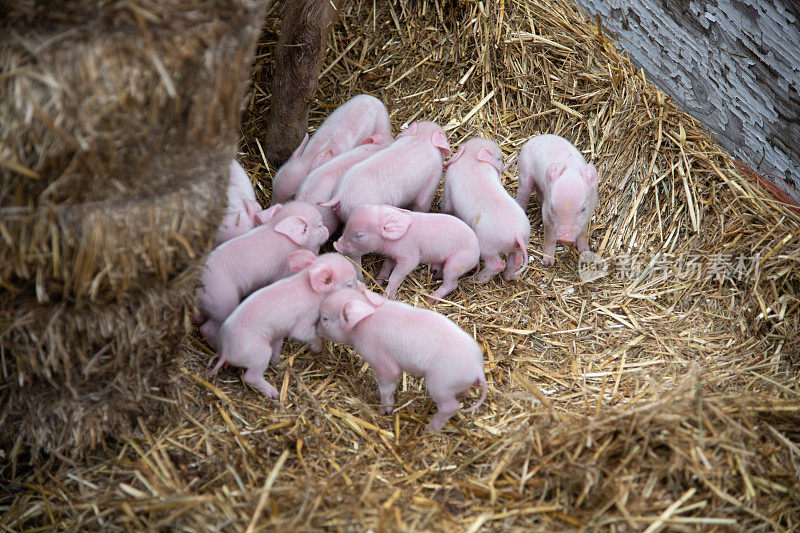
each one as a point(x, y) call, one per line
point(319, 185)
point(242, 207)
point(252, 336)
point(347, 127)
point(405, 174)
point(259, 257)
point(474, 193)
point(409, 238)
point(394, 337)
point(566, 187)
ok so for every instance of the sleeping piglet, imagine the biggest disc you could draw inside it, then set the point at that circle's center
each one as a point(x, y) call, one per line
point(474, 193)
point(259, 257)
point(347, 127)
point(319, 185)
point(242, 206)
point(566, 187)
point(252, 336)
point(404, 174)
point(409, 238)
point(394, 337)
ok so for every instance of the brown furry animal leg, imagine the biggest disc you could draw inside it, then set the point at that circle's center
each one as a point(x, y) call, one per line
point(298, 59)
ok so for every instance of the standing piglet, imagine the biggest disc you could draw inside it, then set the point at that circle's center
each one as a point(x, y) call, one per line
point(242, 206)
point(319, 185)
point(253, 335)
point(404, 174)
point(566, 187)
point(394, 337)
point(407, 239)
point(257, 258)
point(349, 126)
point(474, 193)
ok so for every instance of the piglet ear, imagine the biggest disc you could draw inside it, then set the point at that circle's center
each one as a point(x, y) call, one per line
point(372, 297)
point(486, 156)
point(354, 312)
point(299, 150)
point(322, 158)
point(321, 277)
point(333, 203)
point(262, 217)
point(439, 140)
point(411, 130)
point(454, 158)
point(589, 175)
point(300, 259)
point(295, 228)
point(394, 224)
point(554, 172)
point(252, 208)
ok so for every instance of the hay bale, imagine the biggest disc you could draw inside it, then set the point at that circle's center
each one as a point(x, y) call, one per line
point(91, 93)
point(115, 140)
point(99, 251)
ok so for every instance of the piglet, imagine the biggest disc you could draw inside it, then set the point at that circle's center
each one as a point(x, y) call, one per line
point(319, 185)
point(566, 187)
point(242, 206)
point(474, 193)
point(394, 337)
point(257, 258)
point(407, 239)
point(252, 336)
point(404, 174)
point(347, 127)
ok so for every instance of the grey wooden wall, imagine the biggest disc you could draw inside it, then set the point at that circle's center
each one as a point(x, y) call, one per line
point(732, 64)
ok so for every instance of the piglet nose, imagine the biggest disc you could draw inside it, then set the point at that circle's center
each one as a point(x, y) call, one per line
point(337, 247)
point(326, 233)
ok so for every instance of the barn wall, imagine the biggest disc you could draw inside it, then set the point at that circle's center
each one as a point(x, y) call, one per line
point(732, 64)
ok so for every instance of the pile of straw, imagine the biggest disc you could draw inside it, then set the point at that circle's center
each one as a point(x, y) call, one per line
point(662, 395)
point(118, 126)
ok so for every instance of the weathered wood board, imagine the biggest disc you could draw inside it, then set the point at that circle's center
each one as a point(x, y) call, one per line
point(734, 65)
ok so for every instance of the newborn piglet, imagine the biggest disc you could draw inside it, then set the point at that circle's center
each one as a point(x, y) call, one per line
point(404, 174)
point(347, 127)
point(259, 257)
point(474, 193)
point(394, 337)
point(240, 214)
point(252, 336)
point(566, 187)
point(409, 238)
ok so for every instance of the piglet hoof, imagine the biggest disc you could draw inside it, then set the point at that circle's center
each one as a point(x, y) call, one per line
point(316, 346)
point(434, 427)
point(482, 277)
point(386, 409)
point(548, 261)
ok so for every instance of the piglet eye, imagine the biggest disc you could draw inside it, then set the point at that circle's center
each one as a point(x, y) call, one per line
point(583, 210)
point(359, 235)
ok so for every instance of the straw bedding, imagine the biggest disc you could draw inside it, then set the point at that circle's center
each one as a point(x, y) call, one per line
point(660, 396)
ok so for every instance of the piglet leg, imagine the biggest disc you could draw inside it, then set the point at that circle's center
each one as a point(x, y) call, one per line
point(386, 269)
point(401, 270)
point(387, 373)
point(493, 265)
point(549, 247)
point(447, 407)
point(254, 376)
point(276, 347)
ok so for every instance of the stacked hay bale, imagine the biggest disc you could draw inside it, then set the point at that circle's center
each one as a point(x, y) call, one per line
point(117, 127)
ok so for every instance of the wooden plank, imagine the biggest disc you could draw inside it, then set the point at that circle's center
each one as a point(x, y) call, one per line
point(734, 65)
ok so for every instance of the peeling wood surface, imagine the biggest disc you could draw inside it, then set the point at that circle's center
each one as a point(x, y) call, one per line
point(732, 64)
